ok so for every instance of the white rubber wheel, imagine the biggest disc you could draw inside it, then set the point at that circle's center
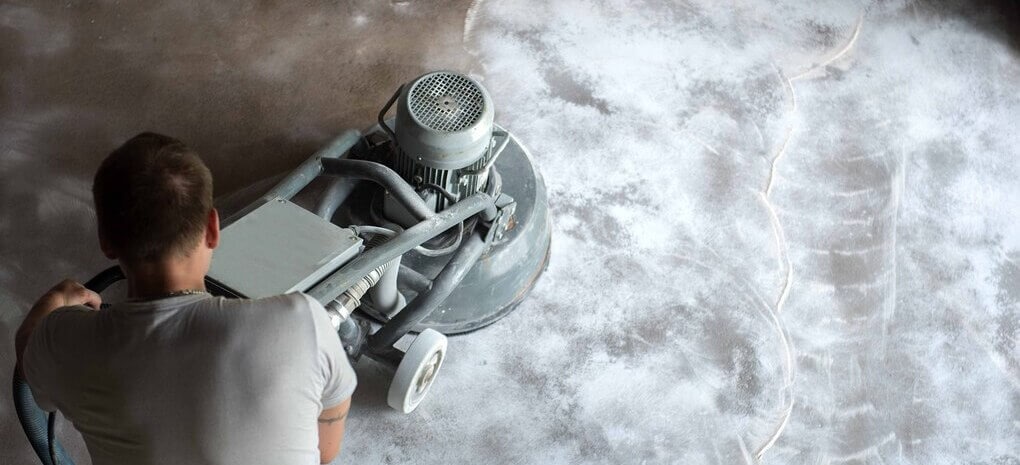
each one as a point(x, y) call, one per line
point(417, 370)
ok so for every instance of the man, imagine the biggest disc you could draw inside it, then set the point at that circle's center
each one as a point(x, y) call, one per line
point(174, 375)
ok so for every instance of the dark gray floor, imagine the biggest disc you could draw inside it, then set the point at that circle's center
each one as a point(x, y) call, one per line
point(783, 232)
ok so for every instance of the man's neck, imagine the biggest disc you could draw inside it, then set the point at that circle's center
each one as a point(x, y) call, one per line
point(150, 280)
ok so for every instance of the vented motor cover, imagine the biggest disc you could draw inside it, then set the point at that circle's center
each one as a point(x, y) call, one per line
point(444, 121)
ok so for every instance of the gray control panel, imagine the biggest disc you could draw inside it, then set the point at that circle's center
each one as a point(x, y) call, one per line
point(279, 248)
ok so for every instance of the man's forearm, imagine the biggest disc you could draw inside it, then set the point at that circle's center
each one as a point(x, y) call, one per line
point(331, 431)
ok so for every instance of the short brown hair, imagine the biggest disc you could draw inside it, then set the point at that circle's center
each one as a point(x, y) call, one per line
point(153, 196)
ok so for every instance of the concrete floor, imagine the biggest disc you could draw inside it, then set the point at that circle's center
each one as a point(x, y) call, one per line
point(785, 232)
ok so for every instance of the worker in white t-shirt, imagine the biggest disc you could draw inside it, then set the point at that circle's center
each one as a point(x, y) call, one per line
point(174, 375)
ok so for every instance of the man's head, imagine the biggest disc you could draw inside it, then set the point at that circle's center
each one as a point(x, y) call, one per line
point(153, 198)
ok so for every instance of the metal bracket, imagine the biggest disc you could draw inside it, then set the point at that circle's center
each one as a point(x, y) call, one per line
point(505, 207)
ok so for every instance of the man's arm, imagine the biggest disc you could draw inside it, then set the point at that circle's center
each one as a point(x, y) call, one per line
point(339, 382)
point(64, 294)
point(331, 430)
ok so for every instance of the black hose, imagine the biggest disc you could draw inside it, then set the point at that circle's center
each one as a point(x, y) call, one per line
point(383, 175)
point(342, 279)
point(419, 308)
point(299, 178)
point(444, 250)
point(335, 195)
point(51, 436)
point(104, 279)
point(413, 279)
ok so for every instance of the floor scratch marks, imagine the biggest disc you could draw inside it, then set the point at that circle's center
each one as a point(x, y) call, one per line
point(777, 229)
point(846, 48)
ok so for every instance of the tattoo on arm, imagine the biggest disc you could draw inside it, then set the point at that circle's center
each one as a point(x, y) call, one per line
point(330, 421)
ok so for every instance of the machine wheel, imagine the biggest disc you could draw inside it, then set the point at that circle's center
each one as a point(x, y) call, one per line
point(417, 370)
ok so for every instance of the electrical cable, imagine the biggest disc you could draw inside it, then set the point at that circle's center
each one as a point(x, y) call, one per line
point(436, 187)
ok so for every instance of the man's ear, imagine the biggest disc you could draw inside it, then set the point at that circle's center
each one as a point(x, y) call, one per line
point(105, 246)
point(212, 229)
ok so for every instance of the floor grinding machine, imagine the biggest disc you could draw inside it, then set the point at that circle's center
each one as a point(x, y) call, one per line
point(433, 222)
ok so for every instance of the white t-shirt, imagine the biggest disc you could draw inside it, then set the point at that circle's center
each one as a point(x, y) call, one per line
point(192, 379)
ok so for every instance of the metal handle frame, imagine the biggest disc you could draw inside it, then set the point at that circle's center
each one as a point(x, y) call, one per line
point(385, 109)
point(331, 161)
point(492, 155)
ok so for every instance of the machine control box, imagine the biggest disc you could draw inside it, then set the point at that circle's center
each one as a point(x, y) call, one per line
point(279, 248)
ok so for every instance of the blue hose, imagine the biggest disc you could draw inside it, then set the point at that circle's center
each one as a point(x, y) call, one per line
point(37, 423)
point(38, 426)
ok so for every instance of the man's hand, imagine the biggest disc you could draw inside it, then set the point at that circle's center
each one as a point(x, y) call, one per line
point(64, 294)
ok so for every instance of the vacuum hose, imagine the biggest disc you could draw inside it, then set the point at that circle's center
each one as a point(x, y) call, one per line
point(342, 307)
point(37, 423)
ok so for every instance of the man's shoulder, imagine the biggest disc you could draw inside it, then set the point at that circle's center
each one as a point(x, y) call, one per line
point(294, 302)
point(286, 320)
point(277, 310)
point(63, 331)
point(66, 319)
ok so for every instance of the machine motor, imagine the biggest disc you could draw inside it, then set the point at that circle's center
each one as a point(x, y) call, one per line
point(444, 137)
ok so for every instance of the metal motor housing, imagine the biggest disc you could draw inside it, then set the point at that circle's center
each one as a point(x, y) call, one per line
point(443, 135)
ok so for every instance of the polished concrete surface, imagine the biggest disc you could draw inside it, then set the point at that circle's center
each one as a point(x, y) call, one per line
point(784, 232)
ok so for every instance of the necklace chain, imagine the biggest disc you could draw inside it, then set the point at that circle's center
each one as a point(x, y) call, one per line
point(184, 292)
point(179, 293)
